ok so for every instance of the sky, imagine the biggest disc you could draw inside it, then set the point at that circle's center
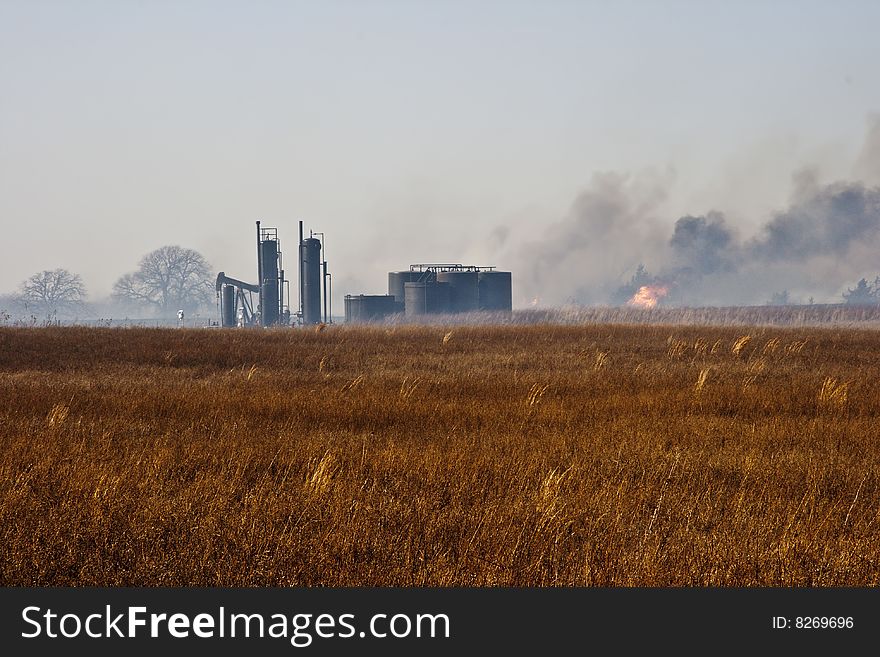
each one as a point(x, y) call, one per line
point(414, 131)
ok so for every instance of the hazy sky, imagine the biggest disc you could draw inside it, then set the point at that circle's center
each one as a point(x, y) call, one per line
point(406, 131)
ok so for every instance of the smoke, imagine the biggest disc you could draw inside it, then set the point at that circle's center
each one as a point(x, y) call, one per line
point(827, 238)
point(704, 245)
point(867, 167)
point(605, 233)
point(827, 220)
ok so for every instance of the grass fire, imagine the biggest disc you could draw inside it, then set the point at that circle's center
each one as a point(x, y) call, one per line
point(648, 296)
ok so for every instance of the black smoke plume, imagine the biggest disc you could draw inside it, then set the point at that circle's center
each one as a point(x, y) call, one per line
point(613, 239)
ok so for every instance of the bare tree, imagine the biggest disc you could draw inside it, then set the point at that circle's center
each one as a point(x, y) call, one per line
point(169, 279)
point(55, 291)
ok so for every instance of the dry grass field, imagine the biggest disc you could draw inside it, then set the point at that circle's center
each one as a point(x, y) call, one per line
point(609, 455)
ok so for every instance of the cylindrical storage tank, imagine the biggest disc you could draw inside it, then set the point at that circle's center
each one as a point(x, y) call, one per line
point(426, 298)
point(495, 291)
point(416, 298)
point(463, 290)
point(397, 279)
point(269, 295)
point(227, 306)
point(269, 305)
point(310, 278)
point(369, 307)
point(269, 255)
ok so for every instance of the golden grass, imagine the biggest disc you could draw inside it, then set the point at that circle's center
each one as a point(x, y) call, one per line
point(522, 455)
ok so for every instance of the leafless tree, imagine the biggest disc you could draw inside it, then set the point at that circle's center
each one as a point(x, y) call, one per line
point(168, 279)
point(55, 291)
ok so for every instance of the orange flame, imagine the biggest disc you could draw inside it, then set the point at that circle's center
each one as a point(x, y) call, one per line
point(648, 296)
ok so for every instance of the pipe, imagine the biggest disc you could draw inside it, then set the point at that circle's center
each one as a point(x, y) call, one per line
point(299, 251)
point(281, 303)
point(260, 272)
point(324, 281)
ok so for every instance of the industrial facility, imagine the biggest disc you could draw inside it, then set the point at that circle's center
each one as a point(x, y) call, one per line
point(423, 289)
point(238, 307)
point(426, 289)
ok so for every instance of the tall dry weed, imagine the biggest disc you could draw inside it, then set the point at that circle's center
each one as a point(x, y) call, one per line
point(378, 456)
point(833, 394)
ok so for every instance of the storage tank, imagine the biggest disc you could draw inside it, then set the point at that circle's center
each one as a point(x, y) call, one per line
point(426, 298)
point(463, 290)
point(269, 259)
point(370, 307)
point(270, 296)
point(227, 306)
point(397, 279)
point(269, 307)
point(310, 279)
point(495, 291)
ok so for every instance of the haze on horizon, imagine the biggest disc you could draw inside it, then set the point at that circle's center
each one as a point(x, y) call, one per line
point(427, 131)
